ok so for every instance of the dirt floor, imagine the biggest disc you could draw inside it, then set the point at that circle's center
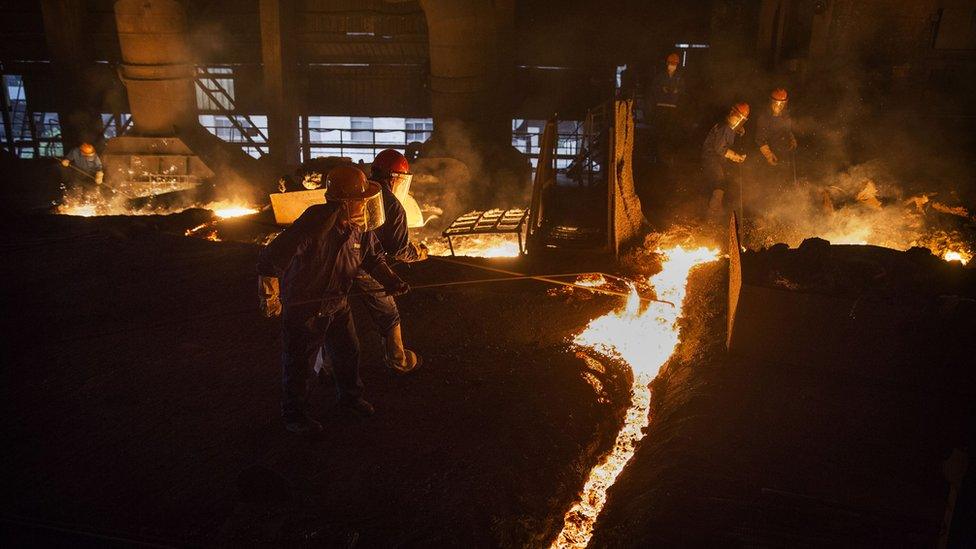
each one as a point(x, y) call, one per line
point(140, 402)
point(744, 451)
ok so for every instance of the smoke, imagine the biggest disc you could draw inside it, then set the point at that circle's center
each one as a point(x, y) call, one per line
point(458, 174)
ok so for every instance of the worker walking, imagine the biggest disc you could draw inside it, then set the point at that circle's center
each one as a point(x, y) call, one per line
point(774, 137)
point(84, 168)
point(392, 171)
point(717, 155)
point(306, 273)
point(663, 97)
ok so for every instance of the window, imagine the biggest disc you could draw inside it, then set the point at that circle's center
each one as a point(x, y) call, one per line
point(215, 89)
point(31, 133)
point(361, 137)
point(249, 131)
point(527, 133)
point(114, 125)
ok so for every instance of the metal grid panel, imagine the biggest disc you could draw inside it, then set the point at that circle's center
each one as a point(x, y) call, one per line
point(494, 221)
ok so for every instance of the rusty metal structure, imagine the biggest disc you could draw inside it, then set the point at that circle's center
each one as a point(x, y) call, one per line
point(593, 206)
point(477, 223)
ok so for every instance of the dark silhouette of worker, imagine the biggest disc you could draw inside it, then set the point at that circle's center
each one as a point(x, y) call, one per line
point(717, 155)
point(775, 139)
point(315, 262)
point(662, 98)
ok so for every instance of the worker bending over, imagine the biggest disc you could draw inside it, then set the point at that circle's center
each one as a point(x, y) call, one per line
point(717, 155)
point(314, 263)
point(774, 135)
point(392, 171)
point(84, 166)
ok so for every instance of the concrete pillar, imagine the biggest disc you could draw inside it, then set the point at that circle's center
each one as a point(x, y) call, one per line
point(67, 42)
point(278, 58)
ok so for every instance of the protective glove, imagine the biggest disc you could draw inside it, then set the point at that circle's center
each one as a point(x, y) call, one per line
point(65, 162)
point(420, 250)
point(734, 156)
point(392, 283)
point(99, 177)
point(269, 300)
point(770, 156)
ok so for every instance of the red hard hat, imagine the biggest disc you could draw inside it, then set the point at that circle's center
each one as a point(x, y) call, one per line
point(741, 108)
point(779, 94)
point(673, 59)
point(390, 161)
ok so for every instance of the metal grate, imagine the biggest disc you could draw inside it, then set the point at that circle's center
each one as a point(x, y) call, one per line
point(494, 221)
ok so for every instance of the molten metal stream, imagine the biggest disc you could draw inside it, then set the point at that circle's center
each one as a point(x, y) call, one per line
point(644, 340)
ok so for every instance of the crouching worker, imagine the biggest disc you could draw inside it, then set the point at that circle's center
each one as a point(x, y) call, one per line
point(314, 263)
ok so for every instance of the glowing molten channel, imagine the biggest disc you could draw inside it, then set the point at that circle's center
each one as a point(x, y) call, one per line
point(644, 339)
point(486, 245)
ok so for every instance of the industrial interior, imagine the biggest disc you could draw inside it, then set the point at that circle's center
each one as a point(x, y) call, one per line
point(470, 273)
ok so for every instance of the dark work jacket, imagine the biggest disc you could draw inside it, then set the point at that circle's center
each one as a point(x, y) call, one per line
point(774, 131)
point(720, 139)
point(317, 257)
point(393, 233)
point(666, 90)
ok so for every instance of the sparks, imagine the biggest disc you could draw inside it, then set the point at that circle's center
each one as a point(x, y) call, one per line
point(644, 340)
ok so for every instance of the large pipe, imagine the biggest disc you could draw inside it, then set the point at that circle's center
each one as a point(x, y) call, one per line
point(468, 55)
point(156, 65)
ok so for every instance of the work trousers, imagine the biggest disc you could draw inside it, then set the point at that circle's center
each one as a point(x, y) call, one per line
point(303, 334)
point(382, 308)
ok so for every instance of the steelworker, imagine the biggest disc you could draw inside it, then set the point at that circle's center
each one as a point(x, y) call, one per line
point(83, 165)
point(315, 262)
point(665, 93)
point(392, 171)
point(774, 132)
point(717, 152)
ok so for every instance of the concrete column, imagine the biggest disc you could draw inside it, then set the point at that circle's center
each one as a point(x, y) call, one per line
point(67, 42)
point(279, 60)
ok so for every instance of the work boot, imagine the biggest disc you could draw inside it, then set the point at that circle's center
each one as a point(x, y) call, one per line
point(715, 206)
point(400, 360)
point(358, 406)
point(303, 425)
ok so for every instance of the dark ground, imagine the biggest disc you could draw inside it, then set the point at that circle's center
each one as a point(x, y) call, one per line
point(140, 382)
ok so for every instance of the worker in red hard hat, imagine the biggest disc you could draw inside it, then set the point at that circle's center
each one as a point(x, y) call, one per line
point(774, 130)
point(664, 96)
point(83, 166)
point(392, 171)
point(717, 155)
point(305, 275)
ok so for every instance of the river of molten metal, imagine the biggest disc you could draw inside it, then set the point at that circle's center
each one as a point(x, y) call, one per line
point(644, 339)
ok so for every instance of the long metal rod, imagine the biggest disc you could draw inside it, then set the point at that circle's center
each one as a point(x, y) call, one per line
point(549, 279)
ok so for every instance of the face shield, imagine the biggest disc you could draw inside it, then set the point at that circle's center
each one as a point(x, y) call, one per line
point(777, 106)
point(400, 185)
point(367, 213)
point(672, 68)
point(737, 120)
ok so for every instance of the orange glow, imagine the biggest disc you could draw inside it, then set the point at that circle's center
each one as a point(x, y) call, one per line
point(644, 339)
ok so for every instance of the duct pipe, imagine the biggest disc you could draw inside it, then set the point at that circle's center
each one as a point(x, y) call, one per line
point(469, 53)
point(156, 67)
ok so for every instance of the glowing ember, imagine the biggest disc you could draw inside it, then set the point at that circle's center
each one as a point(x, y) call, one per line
point(645, 340)
point(488, 245)
point(961, 257)
point(226, 212)
point(594, 280)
